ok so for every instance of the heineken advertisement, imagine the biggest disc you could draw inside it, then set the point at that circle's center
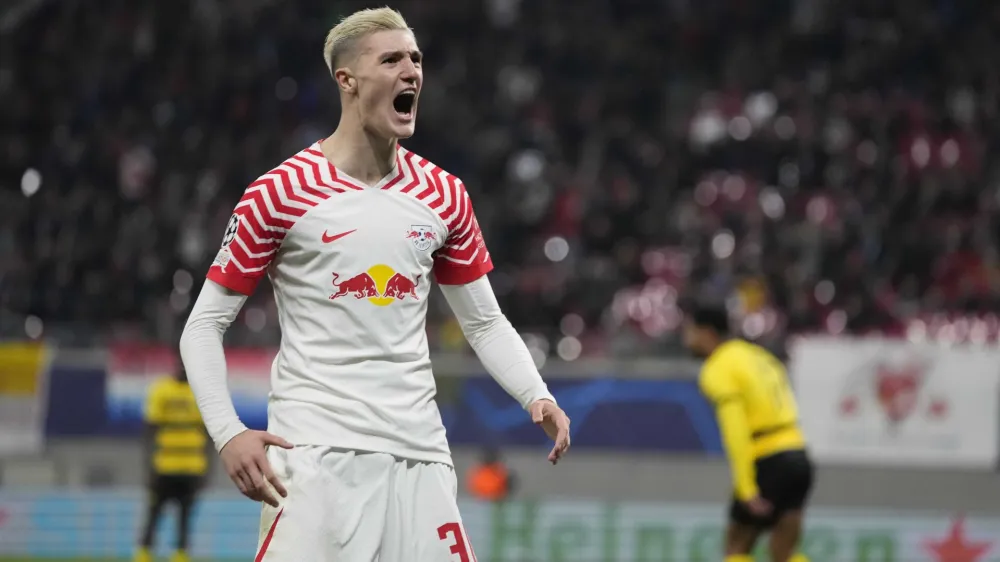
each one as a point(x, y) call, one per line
point(597, 532)
point(104, 525)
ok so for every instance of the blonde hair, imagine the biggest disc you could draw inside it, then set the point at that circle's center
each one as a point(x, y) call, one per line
point(341, 38)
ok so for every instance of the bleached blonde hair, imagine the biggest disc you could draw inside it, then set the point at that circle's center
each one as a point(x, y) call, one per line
point(342, 37)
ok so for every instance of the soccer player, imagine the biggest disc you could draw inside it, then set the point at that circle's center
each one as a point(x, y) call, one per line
point(178, 459)
point(355, 464)
point(758, 417)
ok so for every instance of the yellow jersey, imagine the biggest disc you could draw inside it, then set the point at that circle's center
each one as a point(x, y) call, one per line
point(179, 440)
point(756, 408)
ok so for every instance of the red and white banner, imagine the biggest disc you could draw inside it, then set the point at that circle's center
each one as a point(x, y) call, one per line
point(895, 403)
point(133, 369)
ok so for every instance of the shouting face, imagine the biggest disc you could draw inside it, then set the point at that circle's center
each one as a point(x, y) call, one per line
point(384, 80)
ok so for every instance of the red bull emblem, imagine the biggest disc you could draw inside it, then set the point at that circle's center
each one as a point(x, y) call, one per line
point(399, 287)
point(422, 236)
point(897, 389)
point(381, 285)
point(361, 286)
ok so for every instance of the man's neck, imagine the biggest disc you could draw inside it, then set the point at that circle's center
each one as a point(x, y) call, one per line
point(359, 154)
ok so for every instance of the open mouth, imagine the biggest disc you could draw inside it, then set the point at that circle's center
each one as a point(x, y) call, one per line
point(403, 103)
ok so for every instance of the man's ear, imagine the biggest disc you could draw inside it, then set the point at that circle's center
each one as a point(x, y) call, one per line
point(345, 80)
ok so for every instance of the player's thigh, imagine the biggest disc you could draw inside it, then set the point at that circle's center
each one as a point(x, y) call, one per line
point(187, 492)
point(157, 491)
point(786, 480)
point(802, 475)
point(743, 529)
point(785, 535)
point(427, 516)
point(335, 508)
point(170, 488)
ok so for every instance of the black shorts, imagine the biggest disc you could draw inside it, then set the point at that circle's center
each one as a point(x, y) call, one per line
point(785, 480)
point(182, 488)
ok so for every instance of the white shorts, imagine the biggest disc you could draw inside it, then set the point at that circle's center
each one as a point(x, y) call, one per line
point(349, 506)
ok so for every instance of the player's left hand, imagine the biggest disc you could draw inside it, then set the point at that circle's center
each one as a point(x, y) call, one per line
point(555, 422)
point(759, 506)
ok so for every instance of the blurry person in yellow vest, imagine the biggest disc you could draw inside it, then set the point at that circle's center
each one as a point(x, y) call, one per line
point(490, 479)
point(177, 453)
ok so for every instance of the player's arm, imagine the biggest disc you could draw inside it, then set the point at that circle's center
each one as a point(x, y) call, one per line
point(496, 343)
point(242, 451)
point(205, 359)
point(460, 267)
point(506, 357)
point(252, 240)
point(719, 386)
point(250, 243)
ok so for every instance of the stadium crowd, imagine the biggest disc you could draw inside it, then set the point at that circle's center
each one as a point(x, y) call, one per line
point(823, 165)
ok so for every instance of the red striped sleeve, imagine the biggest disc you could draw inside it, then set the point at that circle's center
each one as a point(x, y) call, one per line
point(248, 246)
point(269, 207)
point(463, 258)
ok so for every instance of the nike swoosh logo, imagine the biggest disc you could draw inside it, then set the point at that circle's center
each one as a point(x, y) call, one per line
point(327, 238)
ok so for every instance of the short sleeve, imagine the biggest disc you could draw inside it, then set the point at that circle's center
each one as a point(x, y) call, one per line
point(463, 257)
point(718, 380)
point(252, 238)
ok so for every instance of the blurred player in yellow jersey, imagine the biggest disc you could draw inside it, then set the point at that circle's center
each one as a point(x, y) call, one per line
point(758, 418)
point(177, 452)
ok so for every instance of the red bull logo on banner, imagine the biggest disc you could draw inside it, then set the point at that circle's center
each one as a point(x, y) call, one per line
point(380, 284)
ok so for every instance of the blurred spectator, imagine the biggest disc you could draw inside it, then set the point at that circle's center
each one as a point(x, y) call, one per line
point(823, 165)
point(490, 479)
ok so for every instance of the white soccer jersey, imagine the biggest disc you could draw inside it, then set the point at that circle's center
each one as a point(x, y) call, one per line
point(351, 268)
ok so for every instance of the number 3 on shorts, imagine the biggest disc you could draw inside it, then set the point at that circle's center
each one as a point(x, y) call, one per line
point(458, 547)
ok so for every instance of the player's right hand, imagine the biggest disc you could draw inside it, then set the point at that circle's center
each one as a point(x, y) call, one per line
point(245, 460)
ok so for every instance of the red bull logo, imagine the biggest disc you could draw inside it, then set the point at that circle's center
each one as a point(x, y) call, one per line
point(381, 285)
point(422, 236)
point(897, 389)
point(399, 287)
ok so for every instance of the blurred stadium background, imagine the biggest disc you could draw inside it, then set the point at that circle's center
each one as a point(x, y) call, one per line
point(828, 167)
